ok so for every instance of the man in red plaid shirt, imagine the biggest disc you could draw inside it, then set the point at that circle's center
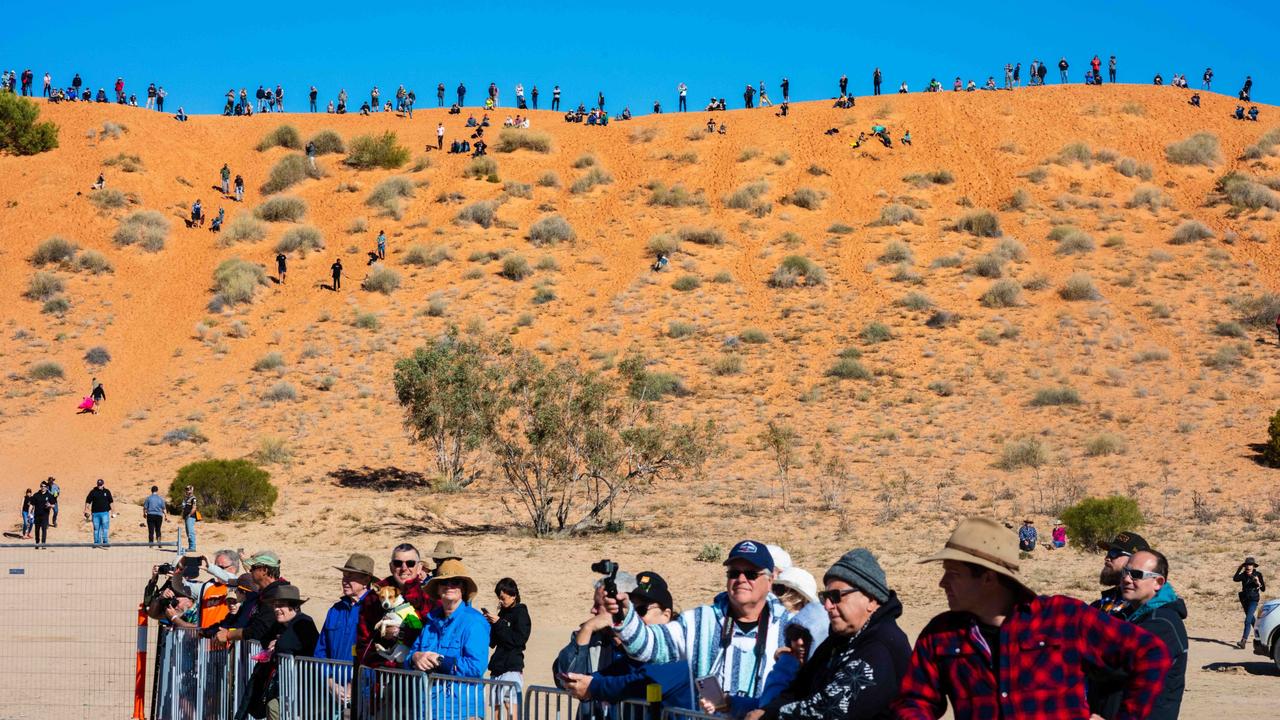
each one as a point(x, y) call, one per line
point(1004, 652)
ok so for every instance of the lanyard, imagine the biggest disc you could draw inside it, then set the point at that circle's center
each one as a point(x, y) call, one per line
point(726, 641)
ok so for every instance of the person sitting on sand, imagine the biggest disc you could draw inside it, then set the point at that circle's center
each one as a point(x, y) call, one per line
point(480, 148)
point(1195, 100)
point(197, 215)
point(783, 109)
point(626, 113)
point(216, 225)
point(906, 138)
point(712, 105)
point(1253, 113)
point(1157, 80)
point(484, 120)
point(1239, 113)
point(723, 129)
point(508, 122)
point(902, 89)
point(471, 121)
point(991, 83)
point(711, 124)
point(466, 147)
point(971, 86)
point(181, 116)
point(454, 109)
point(364, 108)
point(657, 108)
point(489, 104)
point(101, 183)
point(660, 264)
point(858, 143)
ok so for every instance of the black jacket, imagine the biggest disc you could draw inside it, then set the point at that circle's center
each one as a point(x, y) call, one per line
point(850, 678)
point(508, 638)
point(298, 638)
point(1106, 692)
point(1251, 586)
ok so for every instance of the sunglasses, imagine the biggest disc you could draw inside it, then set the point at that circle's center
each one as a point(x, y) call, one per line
point(1137, 574)
point(404, 563)
point(1113, 554)
point(834, 596)
point(732, 574)
point(451, 582)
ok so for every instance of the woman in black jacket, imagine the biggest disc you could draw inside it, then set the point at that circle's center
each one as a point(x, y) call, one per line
point(1252, 585)
point(508, 636)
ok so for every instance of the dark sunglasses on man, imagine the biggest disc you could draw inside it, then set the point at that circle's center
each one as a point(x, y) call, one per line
point(834, 596)
point(404, 563)
point(732, 574)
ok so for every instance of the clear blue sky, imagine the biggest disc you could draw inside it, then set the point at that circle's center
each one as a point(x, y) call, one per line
point(634, 51)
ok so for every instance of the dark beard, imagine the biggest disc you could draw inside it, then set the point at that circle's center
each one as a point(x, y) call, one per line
point(1109, 577)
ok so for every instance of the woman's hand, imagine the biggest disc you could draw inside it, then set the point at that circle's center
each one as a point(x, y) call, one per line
point(577, 685)
point(426, 661)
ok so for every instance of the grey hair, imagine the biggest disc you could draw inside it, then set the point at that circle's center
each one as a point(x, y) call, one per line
point(405, 547)
point(232, 556)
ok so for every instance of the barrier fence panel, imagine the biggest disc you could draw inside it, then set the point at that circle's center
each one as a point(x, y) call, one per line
point(390, 694)
point(635, 710)
point(70, 630)
point(313, 689)
point(455, 698)
point(678, 714)
point(215, 693)
point(548, 703)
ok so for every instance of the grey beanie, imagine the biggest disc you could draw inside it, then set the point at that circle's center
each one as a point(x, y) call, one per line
point(859, 568)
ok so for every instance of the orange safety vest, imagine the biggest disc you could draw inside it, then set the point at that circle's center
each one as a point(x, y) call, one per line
point(213, 604)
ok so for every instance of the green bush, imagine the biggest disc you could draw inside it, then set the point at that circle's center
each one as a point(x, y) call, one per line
point(388, 192)
point(513, 139)
point(804, 197)
point(1026, 452)
point(549, 179)
point(480, 168)
point(381, 279)
point(20, 134)
point(289, 171)
point(45, 370)
point(1104, 444)
point(990, 265)
point(685, 283)
point(1079, 287)
point(270, 361)
point(1002, 293)
point(876, 332)
point(753, 336)
point(897, 252)
point(701, 236)
point(1150, 197)
point(593, 177)
point(147, 228)
point(302, 237)
point(1097, 520)
point(936, 177)
point(108, 199)
point(424, 256)
point(663, 244)
point(896, 214)
point(44, 285)
point(1271, 451)
point(243, 228)
point(54, 249)
point(1189, 232)
point(283, 208)
point(678, 329)
point(1075, 242)
point(795, 268)
point(383, 151)
point(97, 355)
point(285, 136)
point(226, 489)
point(483, 213)
point(56, 305)
point(982, 223)
point(517, 189)
point(1199, 149)
point(746, 197)
point(94, 262)
point(550, 230)
point(1129, 167)
point(849, 369)
point(236, 280)
point(515, 267)
point(675, 196)
point(1259, 310)
point(328, 142)
point(1064, 395)
point(1245, 193)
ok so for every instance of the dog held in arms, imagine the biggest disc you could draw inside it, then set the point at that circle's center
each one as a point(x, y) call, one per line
point(399, 613)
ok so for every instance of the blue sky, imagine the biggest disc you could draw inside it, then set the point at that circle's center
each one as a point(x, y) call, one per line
point(636, 52)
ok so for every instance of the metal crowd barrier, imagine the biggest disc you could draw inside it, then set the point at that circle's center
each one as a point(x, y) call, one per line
point(678, 714)
point(198, 678)
point(312, 688)
point(391, 694)
point(548, 703)
point(457, 698)
point(634, 710)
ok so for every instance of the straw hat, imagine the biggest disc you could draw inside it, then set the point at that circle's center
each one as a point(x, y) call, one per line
point(444, 551)
point(985, 543)
point(452, 569)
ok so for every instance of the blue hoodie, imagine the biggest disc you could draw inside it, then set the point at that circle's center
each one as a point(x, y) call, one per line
point(1161, 616)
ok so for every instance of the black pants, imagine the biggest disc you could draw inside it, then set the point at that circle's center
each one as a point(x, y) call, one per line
point(535, 102)
point(555, 103)
point(439, 142)
point(1112, 73)
point(440, 101)
point(42, 529)
point(153, 527)
point(877, 91)
point(313, 106)
point(682, 107)
point(337, 282)
point(460, 96)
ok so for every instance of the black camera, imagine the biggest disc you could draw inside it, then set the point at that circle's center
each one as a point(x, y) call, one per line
point(164, 569)
point(609, 569)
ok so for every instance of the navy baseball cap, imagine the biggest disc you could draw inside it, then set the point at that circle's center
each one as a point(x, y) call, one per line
point(754, 552)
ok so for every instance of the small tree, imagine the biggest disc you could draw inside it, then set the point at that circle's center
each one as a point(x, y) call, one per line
point(780, 440)
point(226, 489)
point(452, 396)
point(20, 134)
point(573, 447)
point(1271, 451)
point(1093, 520)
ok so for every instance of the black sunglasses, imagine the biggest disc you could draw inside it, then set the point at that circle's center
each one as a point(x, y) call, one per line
point(834, 596)
point(1113, 554)
point(732, 574)
point(404, 563)
point(450, 582)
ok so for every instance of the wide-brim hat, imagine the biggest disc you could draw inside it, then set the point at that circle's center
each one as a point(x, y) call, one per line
point(452, 569)
point(1251, 561)
point(985, 543)
point(800, 580)
point(444, 551)
point(285, 592)
point(358, 563)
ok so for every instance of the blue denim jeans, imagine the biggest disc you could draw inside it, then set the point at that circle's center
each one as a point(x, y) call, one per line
point(191, 534)
point(28, 521)
point(1250, 617)
point(101, 525)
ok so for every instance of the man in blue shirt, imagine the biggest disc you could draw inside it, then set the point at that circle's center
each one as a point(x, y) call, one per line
point(338, 636)
point(153, 508)
point(1027, 536)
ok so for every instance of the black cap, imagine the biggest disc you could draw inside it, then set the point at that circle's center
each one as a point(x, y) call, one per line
point(1126, 542)
point(651, 588)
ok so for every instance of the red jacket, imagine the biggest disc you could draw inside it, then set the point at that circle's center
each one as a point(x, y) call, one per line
point(1045, 645)
point(371, 612)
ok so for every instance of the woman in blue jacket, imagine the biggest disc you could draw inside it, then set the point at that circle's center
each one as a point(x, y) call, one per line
point(454, 641)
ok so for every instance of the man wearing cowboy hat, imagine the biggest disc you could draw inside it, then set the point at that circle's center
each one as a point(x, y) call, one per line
point(443, 551)
point(454, 641)
point(1003, 651)
point(406, 574)
point(338, 635)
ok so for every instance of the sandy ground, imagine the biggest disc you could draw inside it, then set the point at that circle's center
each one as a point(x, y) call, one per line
point(920, 439)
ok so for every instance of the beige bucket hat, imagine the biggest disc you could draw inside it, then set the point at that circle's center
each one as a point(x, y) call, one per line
point(985, 543)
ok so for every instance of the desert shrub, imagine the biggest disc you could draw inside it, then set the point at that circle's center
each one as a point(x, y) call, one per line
point(915, 301)
point(542, 294)
point(236, 280)
point(282, 208)
point(897, 252)
point(1002, 293)
point(1076, 152)
point(678, 329)
point(365, 320)
point(876, 332)
point(424, 256)
point(381, 279)
point(990, 265)
point(1199, 149)
point(685, 283)
point(513, 139)
point(1229, 329)
point(753, 336)
point(663, 244)
point(674, 196)
point(20, 134)
point(746, 197)
point(389, 191)
point(804, 197)
point(728, 364)
point(549, 179)
point(896, 214)
point(1243, 192)
point(1075, 242)
point(585, 160)
point(108, 199)
point(1010, 249)
point(1097, 520)
point(701, 236)
point(849, 369)
point(1025, 452)
point(56, 305)
point(551, 230)
point(839, 228)
point(110, 129)
point(328, 142)
point(593, 177)
point(226, 489)
point(1150, 197)
point(517, 189)
point(147, 228)
point(1264, 147)
point(287, 172)
point(243, 228)
point(1227, 357)
point(1259, 310)
point(54, 249)
point(1035, 283)
point(643, 134)
point(94, 262)
point(1189, 232)
point(982, 223)
point(302, 237)
point(45, 370)
point(1079, 287)
point(1020, 200)
point(383, 151)
point(1048, 397)
point(97, 355)
point(482, 213)
point(270, 361)
point(936, 177)
point(285, 136)
point(1129, 167)
point(1271, 450)
point(515, 267)
point(797, 268)
point(1104, 444)
point(280, 392)
point(481, 168)
point(941, 319)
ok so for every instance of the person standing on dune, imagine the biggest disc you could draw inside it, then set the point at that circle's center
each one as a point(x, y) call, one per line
point(786, 90)
point(336, 270)
point(876, 77)
point(440, 95)
point(282, 266)
point(462, 94)
point(844, 84)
